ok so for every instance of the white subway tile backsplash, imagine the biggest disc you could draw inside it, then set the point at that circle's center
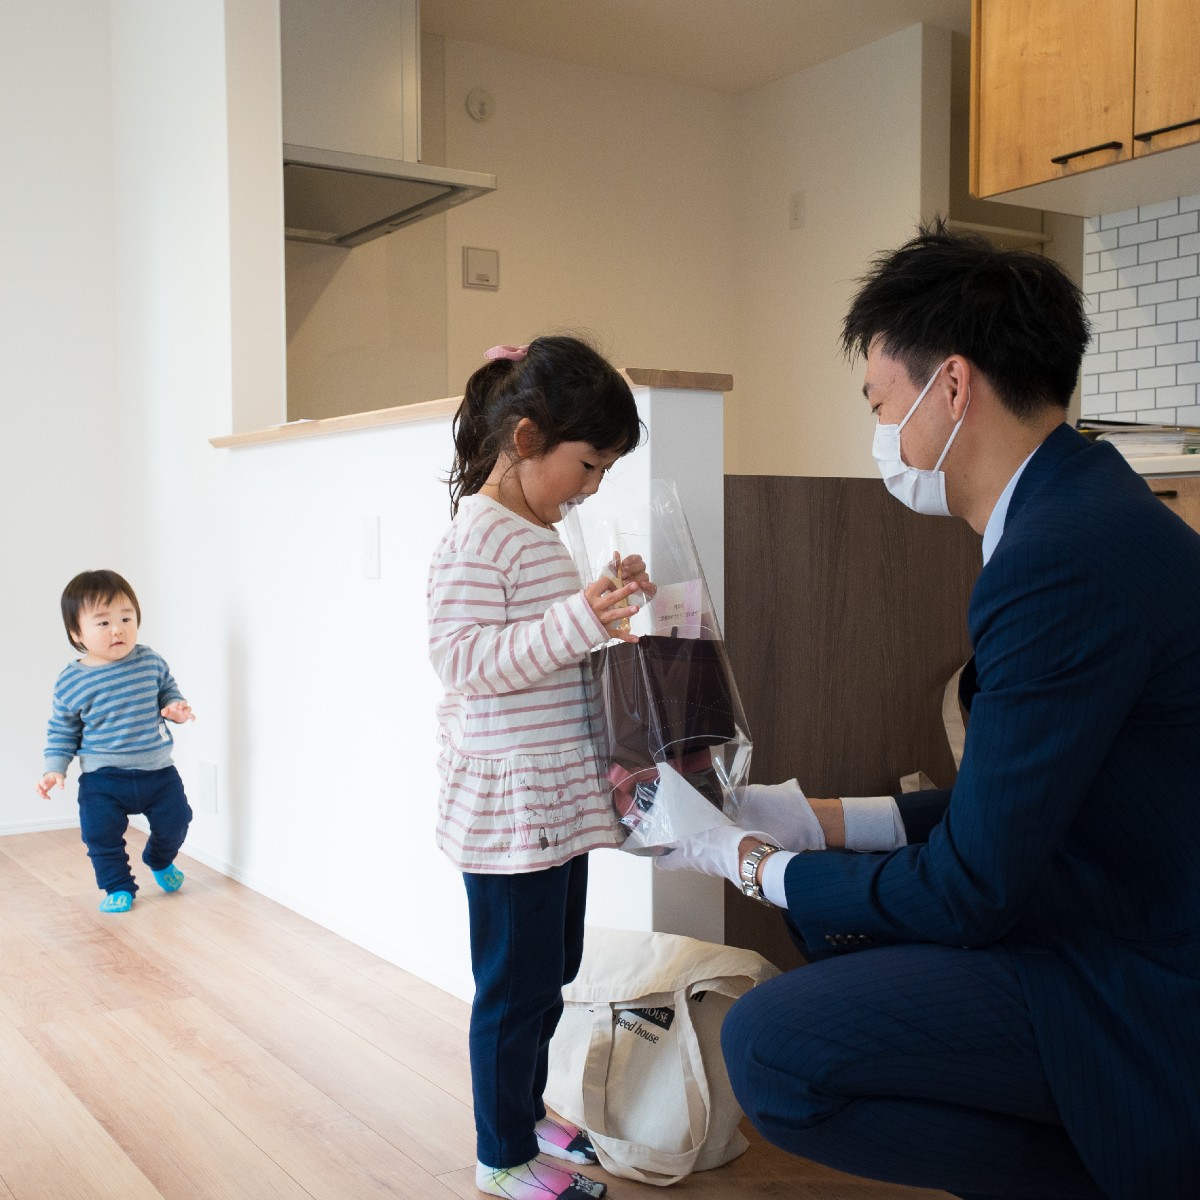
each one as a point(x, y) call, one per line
point(1103, 281)
point(1178, 268)
point(1180, 352)
point(1126, 257)
point(1132, 235)
point(1184, 223)
point(1135, 276)
point(1152, 212)
point(1179, 310)
point(1142, 286)
point(1130, 360)
point(1154, 251)
point(1132, 318)
point(1112, 220)
point(1156, 335)
point(1158, 293)
point(1156, 377)
point(1120, 339)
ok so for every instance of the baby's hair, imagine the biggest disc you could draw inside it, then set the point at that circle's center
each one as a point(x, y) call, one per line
point(88, 590)
point(567, 389)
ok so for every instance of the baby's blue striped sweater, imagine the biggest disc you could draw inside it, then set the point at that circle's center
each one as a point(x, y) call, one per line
point(110, 715)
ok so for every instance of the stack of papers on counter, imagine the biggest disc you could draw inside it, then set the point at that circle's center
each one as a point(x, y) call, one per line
point(1143, 441)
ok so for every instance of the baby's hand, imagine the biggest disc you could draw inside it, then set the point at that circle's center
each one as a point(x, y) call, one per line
point(608, 603)
point(179, 711)
point(51, 779)
point(633, 569)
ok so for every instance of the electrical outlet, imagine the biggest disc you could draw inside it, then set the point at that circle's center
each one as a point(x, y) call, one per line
point(796, 210)
point(206, 799)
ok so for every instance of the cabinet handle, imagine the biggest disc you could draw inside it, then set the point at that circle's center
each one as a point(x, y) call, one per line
point(1145, 137)
point(1062, 158)
point(1169, 494)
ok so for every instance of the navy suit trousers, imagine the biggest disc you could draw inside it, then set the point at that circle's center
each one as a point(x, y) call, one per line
point(107, 799)
point(911, 1064)
point(526, 943)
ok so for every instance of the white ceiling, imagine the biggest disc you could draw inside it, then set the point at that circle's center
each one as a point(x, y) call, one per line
point(724, 45)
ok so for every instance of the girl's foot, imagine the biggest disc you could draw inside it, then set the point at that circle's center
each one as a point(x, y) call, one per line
point(116, 902)
point(170, 879)
point(536, 1180)
point(561, 1139)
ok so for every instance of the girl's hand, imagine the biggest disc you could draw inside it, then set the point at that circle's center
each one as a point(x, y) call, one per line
point(633, 569)
point(608, 603)
point(51, 779)
point(179, 711)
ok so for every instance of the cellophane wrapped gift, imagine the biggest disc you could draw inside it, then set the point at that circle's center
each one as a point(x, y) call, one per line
point(667, 712)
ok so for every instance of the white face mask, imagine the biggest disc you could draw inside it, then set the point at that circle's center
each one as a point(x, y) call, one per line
point(922, 491)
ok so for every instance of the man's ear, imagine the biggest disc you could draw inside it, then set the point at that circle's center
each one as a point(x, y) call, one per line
point(957, 373)
point(527, 438)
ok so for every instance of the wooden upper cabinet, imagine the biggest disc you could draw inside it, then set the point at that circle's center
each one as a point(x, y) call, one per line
point(1166, 111)
point(1052, 88)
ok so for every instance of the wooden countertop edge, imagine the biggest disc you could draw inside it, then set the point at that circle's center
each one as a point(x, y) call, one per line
point(429, 410)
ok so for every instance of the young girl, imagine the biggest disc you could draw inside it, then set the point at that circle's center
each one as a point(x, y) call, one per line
point(521, 804)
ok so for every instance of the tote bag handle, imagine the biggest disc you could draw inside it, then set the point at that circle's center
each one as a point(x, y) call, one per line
point(639, 1161)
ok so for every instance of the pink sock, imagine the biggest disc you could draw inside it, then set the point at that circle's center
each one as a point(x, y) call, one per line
point(561, 1139)
point(536, 1180)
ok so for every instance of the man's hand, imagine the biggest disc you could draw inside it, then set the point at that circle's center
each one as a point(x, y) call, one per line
point(179, 711)
point(716, 852)
point(51, 779)
point(783, 811)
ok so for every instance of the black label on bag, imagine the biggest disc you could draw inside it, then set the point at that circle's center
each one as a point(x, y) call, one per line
point(662, 1017)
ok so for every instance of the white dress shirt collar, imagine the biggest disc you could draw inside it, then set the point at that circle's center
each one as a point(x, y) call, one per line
point(994, 528)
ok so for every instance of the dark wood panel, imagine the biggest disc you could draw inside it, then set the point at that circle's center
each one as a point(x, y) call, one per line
point(845, 614)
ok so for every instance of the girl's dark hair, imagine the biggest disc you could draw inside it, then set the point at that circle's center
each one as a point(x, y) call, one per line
point(568, 390)
point(1013, 313)
point(90, 589)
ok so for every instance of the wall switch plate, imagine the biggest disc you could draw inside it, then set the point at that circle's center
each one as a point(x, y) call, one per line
point(206, 799)
point(370, 547)
point(481, 268)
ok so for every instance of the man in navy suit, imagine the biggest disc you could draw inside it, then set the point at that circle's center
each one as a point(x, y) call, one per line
point(1005, 994)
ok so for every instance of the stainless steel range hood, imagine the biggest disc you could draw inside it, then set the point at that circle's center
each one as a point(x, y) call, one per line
point(341, 199)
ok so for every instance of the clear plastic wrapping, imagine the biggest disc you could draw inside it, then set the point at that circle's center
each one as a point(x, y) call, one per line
point(669, 717)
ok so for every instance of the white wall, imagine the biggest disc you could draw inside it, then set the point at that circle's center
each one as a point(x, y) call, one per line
point(853, 134)
point(612, 215)
point(65, 446)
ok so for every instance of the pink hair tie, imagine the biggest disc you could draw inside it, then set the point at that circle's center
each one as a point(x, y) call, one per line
point(512, 353)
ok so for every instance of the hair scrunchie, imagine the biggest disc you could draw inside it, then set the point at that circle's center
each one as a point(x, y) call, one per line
point(512, 353)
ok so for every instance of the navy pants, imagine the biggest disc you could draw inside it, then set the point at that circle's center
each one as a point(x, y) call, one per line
point(526, 943)
point(108, 797)
point(910, 1064)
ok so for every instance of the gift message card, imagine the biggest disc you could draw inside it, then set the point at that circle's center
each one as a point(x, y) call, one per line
point(679, 609)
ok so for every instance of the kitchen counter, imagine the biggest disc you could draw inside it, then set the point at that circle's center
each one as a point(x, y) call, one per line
point(429, 410)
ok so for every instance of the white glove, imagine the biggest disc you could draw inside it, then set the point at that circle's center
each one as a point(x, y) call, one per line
point(713, 852)
point(783, 811)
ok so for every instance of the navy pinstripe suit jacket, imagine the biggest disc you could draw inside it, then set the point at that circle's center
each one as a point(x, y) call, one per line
point(1072, 834)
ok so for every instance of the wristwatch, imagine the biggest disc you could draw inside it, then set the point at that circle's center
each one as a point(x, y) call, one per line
point(749, 871)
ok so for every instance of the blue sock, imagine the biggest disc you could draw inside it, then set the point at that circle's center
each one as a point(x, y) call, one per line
point(117, 902)
point(170, 879)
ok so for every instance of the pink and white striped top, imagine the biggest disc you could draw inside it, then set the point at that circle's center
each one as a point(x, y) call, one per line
point(509, 634)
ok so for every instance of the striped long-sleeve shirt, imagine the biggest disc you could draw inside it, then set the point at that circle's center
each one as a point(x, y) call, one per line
point(509, 634)
point(110, 715)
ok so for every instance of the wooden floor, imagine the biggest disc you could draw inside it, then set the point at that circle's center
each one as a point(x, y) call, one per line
point(212, 1045)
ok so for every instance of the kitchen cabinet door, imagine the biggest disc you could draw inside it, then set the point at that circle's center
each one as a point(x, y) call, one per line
point(1181, 494)
point(1051, 89)
point(1166, 110)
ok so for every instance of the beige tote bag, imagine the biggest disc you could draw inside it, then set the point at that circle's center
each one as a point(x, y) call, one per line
point(636, 1059)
